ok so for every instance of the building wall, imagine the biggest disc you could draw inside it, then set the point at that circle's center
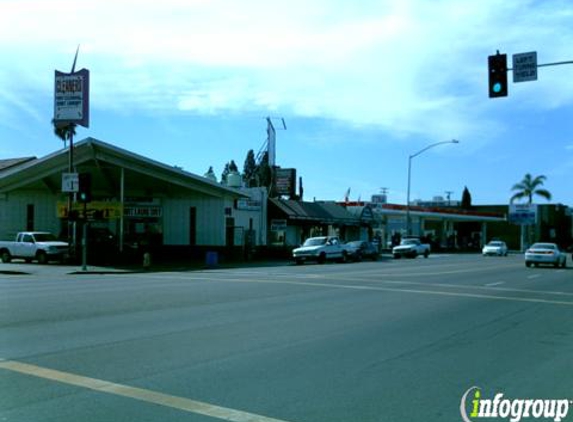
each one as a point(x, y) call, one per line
point(210, 220)
point(248, 213)
point(13, 212)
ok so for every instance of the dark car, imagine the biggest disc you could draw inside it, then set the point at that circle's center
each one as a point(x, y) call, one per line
point(360, 249)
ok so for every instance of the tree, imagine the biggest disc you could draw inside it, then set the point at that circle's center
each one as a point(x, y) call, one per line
point(233, 167)
point(529, 187)
point(225, 173)
point(249, 169)
point(64, 132)
point(466, 199)
point(264, 172)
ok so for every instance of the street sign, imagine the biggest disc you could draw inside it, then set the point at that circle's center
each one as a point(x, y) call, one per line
point(70, 182)
point(525, 67)
point(523, 214)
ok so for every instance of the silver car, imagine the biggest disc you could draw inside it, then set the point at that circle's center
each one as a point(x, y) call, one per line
point(545, 253)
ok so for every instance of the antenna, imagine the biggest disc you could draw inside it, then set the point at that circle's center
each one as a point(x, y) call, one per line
point(75, 59)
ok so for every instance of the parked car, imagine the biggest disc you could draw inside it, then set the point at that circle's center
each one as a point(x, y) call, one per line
point(411, 248)
point(320, 249)
point(40, 246)
point(360, 249)
point(495, 247)
point(545, 253)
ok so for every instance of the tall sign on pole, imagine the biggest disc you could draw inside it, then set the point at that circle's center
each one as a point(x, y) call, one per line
point(71, 108)
point(71, 98)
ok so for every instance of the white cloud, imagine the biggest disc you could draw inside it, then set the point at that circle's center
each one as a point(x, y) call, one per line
point(407, 66)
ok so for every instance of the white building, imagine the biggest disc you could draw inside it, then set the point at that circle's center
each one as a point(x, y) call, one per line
point(138, 199)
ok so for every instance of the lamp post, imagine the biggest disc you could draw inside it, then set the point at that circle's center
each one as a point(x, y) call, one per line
point(408, 222)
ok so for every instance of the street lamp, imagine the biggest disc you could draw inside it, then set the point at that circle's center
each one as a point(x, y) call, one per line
point(408, 222)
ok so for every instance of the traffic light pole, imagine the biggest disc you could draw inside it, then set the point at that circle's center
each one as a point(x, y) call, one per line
point(549, 64)
point(85, 239)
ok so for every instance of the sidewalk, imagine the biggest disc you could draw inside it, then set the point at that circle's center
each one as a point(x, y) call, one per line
point(17, 267)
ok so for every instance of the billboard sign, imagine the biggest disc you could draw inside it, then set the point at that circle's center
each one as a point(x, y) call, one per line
point(285, 181)
point(523, 214)
point(71, 98)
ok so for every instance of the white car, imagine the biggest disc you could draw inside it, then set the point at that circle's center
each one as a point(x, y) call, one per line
point(320, 249)
point(545, 253)
point(495, 247)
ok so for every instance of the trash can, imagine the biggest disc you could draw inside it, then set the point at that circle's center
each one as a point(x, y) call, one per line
point(211, 259)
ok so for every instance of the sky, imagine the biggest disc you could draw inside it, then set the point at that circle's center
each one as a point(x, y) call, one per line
point(361, 86)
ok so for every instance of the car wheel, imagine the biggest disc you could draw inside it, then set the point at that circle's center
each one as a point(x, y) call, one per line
point(6, 258)
point(528, 264)
point(426, 254)
point(564, 264)
point(321, 258)
point(42, 257)
point(397, 256)
point(298, 261)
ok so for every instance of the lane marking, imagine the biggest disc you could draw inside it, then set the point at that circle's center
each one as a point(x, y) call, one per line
point(183, 278)
point(497, 283)
point(412, 291)
point(148, 396)
point(533, 276)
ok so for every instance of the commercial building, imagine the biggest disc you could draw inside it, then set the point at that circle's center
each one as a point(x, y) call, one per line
point(140, 201)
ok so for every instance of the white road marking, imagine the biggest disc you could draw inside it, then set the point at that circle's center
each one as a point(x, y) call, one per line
point(533, 276)
point(148, 396)
point(497, 283)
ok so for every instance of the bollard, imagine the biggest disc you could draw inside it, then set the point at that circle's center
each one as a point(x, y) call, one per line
point(146, 261)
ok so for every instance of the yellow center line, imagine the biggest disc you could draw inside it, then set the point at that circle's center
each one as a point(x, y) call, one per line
point(148, 396)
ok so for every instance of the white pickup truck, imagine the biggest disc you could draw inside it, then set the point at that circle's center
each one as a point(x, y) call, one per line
point(411, 248)
point(40, 246)
point(320, 249)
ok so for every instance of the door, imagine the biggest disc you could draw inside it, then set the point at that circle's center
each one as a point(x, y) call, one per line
point(193, 226)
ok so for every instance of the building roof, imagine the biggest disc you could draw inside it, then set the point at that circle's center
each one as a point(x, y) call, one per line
point(454, 214)
point(106, 161)
point(318, 212)
point(13, 162)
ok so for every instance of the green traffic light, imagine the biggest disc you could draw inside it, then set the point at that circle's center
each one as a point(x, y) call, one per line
point(497, 87)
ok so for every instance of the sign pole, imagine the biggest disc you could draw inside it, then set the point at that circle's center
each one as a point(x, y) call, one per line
point(71, 224)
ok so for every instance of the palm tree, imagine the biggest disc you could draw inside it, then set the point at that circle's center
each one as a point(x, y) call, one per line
point(528, 187)
point(64, 132)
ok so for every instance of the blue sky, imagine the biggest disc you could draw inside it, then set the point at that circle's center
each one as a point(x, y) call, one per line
point(361, 86)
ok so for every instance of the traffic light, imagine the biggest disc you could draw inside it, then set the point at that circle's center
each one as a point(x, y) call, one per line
point(497, 66)
point(85, 189)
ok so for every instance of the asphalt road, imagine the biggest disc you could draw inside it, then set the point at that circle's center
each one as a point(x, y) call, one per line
point(393, 340)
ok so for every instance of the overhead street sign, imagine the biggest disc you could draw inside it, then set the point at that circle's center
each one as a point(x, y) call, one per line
point(525, 67)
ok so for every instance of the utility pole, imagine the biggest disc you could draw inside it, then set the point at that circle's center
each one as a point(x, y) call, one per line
point(448, 196)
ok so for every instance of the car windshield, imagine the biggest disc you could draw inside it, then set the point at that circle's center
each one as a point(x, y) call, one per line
point(410, 242)
point(315, 241)
point(544, 246)
point(44, 237)
point(495, 243)
point(355, 243)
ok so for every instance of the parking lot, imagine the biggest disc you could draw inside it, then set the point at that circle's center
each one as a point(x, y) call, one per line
point(369, 341)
